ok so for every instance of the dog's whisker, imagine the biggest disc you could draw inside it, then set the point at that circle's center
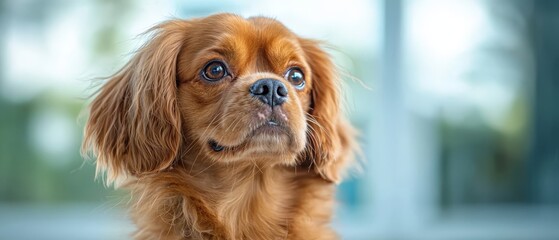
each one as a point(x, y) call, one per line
point(203, 134)
point(235, 121)
point(203, 170)
point(314, 142)
point(256, 165)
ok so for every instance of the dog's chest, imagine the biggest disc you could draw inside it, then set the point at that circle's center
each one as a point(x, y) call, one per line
point(259, 208)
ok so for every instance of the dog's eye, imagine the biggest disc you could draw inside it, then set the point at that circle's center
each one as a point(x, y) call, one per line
point(214, 71)
point(296, 77)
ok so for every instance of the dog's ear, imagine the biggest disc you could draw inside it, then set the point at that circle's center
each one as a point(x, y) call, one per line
point(134, 125)
point(330, 136)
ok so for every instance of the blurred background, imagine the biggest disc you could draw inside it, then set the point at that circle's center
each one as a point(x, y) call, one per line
point(458, 112)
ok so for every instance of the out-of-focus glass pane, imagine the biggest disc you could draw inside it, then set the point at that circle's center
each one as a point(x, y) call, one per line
point(471, 68)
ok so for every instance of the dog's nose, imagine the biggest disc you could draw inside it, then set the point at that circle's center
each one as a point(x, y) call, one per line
point(269, 91)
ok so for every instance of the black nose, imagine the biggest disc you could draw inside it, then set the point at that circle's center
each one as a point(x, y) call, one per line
point(269, 91)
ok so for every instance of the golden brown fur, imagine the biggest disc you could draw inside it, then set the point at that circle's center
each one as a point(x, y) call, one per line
point(151, 124)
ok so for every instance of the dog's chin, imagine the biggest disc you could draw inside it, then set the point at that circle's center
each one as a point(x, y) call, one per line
point(269, 142)
point(266, 138)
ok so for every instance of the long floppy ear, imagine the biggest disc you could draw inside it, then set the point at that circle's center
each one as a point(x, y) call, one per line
point(331, 138)
point(134, 124)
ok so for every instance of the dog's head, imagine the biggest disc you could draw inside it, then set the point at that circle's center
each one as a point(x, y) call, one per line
point(234, 89)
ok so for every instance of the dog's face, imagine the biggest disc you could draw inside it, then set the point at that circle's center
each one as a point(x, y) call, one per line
point(234, 89)
point(244, 89)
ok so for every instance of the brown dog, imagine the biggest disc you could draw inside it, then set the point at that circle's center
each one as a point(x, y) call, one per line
point(224, 128)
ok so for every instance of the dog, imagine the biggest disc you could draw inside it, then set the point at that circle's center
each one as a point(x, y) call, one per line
point(224, 127)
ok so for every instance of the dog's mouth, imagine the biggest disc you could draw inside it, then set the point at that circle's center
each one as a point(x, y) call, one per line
point(215, 146)
point(271, 128)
